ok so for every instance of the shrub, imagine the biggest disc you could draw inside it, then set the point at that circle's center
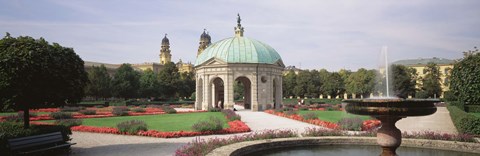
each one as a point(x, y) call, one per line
point(88, 112)
point(169, 110)
point(99, 106)
point(354, 124)
point(465, 79)
point(279, 110)
point(421, 94)
point(69, 122)
point(138, 110)
point(310, 116)
point(143, 106)
point(303, 108)
point(212, 124)
point(215, 110)
point(120, 111)
point(132, 126)
point(449, 96)
point(231, 115)
point(464, 122)
point(290, 112)
point(71, 109)
point(61, 115)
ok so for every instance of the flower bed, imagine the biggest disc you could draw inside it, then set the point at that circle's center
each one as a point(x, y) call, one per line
point(235, 127)
point(367, 124)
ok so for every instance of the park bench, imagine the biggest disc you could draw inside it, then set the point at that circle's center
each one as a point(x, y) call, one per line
point(37, 143)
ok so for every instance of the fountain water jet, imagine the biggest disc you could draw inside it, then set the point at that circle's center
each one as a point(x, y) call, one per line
point(389, 110)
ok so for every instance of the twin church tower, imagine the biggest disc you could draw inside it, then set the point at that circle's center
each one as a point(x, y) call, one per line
point(165, 55)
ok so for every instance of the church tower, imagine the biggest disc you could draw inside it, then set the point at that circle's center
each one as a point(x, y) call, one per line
point(165, 56)
point(205, 40)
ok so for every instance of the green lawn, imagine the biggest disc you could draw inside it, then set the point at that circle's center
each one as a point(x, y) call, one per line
point(334, 116)
point(164, 122)
point(476, 114)
point(15, 113)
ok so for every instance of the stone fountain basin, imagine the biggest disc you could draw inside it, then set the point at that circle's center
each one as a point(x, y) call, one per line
point(391, 107)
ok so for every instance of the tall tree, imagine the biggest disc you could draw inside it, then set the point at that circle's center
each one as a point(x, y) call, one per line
point(334, 85)
point(99, 84)
point(361, 82)
point(187, 84)
point(465, 78)
point(431, 81)
point(289, 82)
point(169, 79)
point(404, 81)
point(303, 83)
point(36, 74)
point(149, 85)
point(323, 77)
point(316, 81)
point(126, 82)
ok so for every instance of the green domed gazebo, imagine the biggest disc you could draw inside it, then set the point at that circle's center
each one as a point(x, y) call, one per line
point(255, 64)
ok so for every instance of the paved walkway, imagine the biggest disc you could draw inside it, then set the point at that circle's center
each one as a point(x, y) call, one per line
point(92, 144)
point(440, 121)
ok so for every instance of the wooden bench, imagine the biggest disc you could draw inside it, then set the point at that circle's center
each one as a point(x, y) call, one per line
point(38, 143)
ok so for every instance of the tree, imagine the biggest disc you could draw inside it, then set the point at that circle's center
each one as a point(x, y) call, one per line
point(431, 82)
point(99, 84)
point(404, 81)
point(303, 82)
point(149, 85)
point(289, 82)
point(361, 82)
point(333, 84)
point(187, 84)
point(465, 78)
point(169, 79)
point(323, 76)
point(126, 82)
point(36, 74)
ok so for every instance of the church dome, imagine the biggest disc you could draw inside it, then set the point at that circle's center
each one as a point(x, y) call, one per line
point(165, 40)
point(240, 49)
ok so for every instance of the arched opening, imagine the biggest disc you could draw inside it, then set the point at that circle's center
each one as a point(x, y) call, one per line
point(243, 92)
point(218, 90)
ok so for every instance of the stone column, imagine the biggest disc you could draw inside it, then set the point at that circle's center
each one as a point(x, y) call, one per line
point(254, 104)
point(229, 99)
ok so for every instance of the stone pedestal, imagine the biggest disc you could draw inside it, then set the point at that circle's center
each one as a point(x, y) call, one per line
point(389, 137)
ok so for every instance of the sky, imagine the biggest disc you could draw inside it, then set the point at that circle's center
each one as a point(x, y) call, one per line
point(308, 34)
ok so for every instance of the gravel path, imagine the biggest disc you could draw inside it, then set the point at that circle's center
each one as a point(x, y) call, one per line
point(91, 144)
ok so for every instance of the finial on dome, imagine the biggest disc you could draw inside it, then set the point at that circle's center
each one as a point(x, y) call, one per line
point(239, 28)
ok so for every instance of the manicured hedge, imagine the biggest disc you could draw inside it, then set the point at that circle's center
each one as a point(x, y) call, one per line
point(10, 130)
point(465, 123)
point(472, 108)
point(137, 103)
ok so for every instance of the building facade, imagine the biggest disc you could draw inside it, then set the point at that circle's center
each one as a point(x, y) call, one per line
point(445, 67)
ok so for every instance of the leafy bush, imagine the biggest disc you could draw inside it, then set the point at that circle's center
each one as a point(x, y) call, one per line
point(69, 122)
point(215, 110)
point(231, 115)
point(310, 116)
point(303, 108)
point(465, 123)
point(132, 126)
point(449, 96)
point(138, 110)
point(71, 109)
point(290, 112)
point(169, 110)
point(421, 94)
point(279, 110)
point(472, 108)
point(354, 124)
point(212, 124)
point(88, 112)
point(99, 106)
point(61, 115)
point(143, 106)
point(120, 111)
point(10, 130)
point(465, 79)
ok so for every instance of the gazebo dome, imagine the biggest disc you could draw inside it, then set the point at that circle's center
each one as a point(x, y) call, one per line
point(240, 49)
